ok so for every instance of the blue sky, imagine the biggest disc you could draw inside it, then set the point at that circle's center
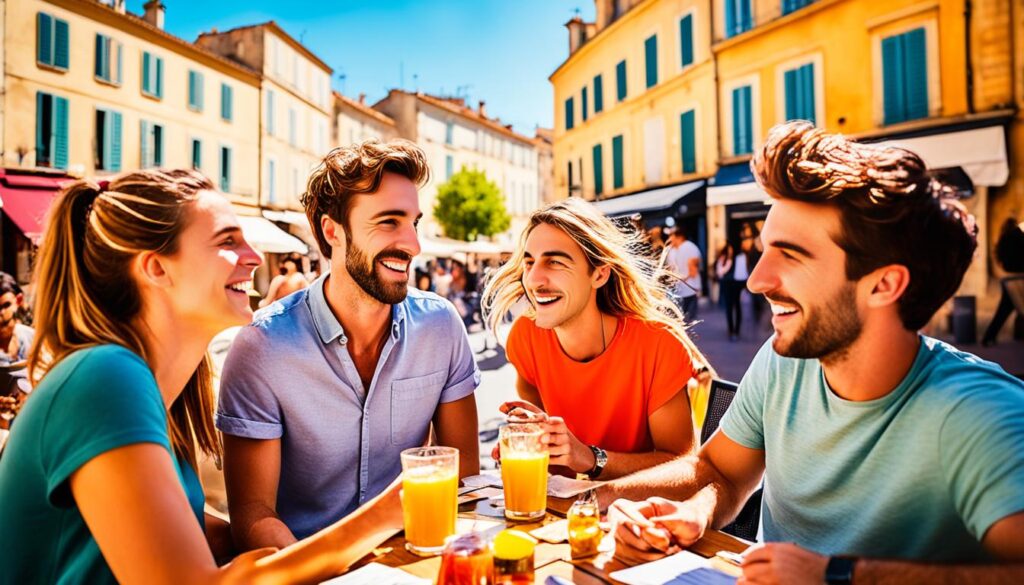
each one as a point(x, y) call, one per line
point(500, 51)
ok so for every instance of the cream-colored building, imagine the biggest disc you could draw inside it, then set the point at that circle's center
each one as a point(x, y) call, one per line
point(296, 106)
point(455, 136)
point(544, 139)
point(94, 90)
point(356, 122)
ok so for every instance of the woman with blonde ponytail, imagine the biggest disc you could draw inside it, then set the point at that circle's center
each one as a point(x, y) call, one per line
point(98, 481)
point(602, 353)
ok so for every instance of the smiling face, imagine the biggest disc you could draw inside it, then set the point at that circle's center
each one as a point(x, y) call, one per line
point(559, 281)
point(212, 267)
point(815, 308)
point(381, 240)
point(9, 303)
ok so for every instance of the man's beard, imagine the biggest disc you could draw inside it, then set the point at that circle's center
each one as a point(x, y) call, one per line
point(828, 330)
point(364, 273)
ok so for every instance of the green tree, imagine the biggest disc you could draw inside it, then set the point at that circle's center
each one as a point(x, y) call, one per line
point(469, 205)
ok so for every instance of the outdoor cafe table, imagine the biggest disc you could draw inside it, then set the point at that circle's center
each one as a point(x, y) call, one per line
point(549, 559)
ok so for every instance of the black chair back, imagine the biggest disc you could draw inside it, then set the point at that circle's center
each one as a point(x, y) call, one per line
point(721, 396)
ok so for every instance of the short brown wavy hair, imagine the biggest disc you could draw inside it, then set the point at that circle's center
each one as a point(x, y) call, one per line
point(892, 210)
point(353, 170)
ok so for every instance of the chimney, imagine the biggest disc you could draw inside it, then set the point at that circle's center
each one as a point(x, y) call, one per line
point(154, 13)
point(117, 5)
point(362, 99)
point(482, 110)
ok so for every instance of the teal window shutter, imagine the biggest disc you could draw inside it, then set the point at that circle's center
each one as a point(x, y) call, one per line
point(102, 69)
point(60, 126)
point(569, 123)
point(620, 80)
point(598, 171)
point(688, 140)
point(60, 48)
point(195, 90)
point(449, 132)
point(916, 71)
point(790, 83)
point(807, 93)
point(225, 169)
point(271, 181)
point(742, 121)
point(598, 94)
point(894, 92)
point(449, 166)
point(145, 140)
point(42, 135)
point(225, 102)
point(114, 141)
point(120, 52)
point(730, 18)
point(618, 179)
point(158, 145)
point(44, 38)
point(147, 66)
point(686, 40)
point(651, 57)
point(746, 16)
point(583, 103)
point(159, 77)
point(197, 154)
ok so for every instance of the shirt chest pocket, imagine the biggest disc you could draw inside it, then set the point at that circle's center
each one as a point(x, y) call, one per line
point(413, 402)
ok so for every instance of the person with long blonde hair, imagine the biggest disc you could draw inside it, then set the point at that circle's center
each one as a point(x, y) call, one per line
point(98, 481)
point(602, 353)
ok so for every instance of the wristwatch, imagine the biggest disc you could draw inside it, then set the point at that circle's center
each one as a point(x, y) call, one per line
point(839, 570)
point(600, 460)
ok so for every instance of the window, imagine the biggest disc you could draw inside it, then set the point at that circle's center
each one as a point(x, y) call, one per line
point(449, 130)
point(568, 114)
point(572, 187)
point(51, 41)
point(618, 180)
point(292, 130)
point(688, 141)
point(598, 94)
point(742, 121)
point(651, 57)
point(195, 91)
point(225, 169)
point(151, 142)
point(905, 76)
point(152, 75)
point(108, 140)
point(108, 60)
point(449, 166)
point(620, 80)
point(226, 96)
point(271, 181)
point(197, 154)
point(794, 5)
point(51, 131)
point(270, 112)
point(598, 171)
point(584, 106)
point(738, 17)
point(686, 40)
point(799, 84)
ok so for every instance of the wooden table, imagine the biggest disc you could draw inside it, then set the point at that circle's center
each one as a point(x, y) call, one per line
point(549, 559)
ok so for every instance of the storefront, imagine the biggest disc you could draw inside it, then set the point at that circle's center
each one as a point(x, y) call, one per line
point(25, 198)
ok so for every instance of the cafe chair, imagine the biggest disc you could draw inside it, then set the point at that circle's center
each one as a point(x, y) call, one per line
point(746, 524)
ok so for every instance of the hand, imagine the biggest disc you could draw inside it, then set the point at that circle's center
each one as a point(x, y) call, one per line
point(564, 448)
point(521, 411)
point(782, 562)
point(648, 530)
point(389, 504)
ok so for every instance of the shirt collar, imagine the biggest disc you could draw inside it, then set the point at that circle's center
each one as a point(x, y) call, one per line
point(327, 325)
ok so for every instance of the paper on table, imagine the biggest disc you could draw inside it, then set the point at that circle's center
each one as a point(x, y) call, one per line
point(375, 574)
point(684, 568)
point(558, 486)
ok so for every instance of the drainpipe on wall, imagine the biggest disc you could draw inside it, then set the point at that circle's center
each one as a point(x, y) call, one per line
point(714, 77)
point(970, 62)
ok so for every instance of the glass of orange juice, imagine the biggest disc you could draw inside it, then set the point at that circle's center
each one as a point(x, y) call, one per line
point(430, 485)
point(524, 470)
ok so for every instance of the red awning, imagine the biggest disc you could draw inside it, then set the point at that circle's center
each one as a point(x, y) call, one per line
point(27, 198)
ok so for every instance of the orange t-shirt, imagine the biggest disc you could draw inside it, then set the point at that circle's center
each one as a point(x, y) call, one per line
point(606, 401)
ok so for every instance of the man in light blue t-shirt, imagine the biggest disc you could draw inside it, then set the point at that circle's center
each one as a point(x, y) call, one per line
point(886, 455)
point(321, 394)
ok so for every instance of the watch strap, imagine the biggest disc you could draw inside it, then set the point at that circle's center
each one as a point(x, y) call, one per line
point(839, 570)
point(600, 460)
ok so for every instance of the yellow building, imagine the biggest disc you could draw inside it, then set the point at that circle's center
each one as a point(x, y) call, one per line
point(909, 72)
point(355, 122)
point(635, 109)
point(94, 90)
point(297, 106)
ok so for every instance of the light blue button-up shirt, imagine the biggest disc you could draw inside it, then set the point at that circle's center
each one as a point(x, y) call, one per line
point(289, 376)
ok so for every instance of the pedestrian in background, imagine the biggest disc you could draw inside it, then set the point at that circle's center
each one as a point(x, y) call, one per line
point(683, 259)
point(289, 280)
point(15, 336)
point(731, 268)
point(1010, 255)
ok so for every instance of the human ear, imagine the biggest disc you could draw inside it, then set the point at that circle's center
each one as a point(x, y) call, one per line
point(600, 276)
point(888, 284)
point(333, 232)
point(150, 269)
